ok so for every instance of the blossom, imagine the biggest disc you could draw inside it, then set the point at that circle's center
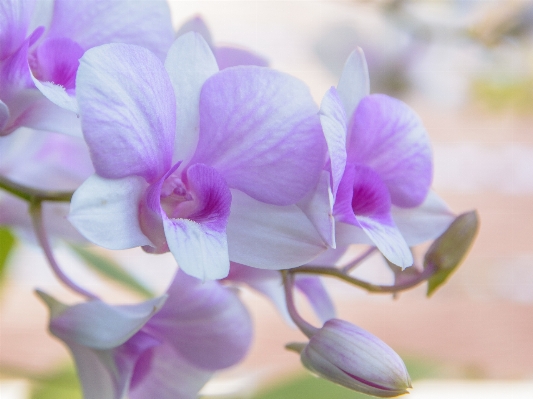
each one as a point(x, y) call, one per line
point(270, 284)
point(45, 161)
point(41, 43)
point(350, 356)
point(380, 165)
point(165, 348)
point(179, 147)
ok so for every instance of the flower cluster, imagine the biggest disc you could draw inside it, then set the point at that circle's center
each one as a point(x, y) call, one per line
point(177, 145)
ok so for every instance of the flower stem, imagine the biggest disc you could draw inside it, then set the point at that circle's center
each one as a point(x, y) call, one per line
point(304, 326)
point(375, 288)
point(32, 194)
point(353, 264)
point(36, 214)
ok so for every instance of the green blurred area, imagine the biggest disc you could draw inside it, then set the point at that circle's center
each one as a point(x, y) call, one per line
point(63, 383)
point(306, 386)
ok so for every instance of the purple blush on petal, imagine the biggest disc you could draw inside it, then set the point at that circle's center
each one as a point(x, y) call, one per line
point(361, 193)
point(57, 61)
point(232, 56)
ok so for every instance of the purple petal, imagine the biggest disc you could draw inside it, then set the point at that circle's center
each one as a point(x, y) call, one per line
point(15, 17)
point(212, 196)
point(425, 222)
point(106, 211)
point(57, 61)
point(96, 324)
point(363, 201)
point(354, 83)
point(269, 236)
point(232, 56)
point(259, 129)
point(92, 23)
point(387, 136)
point(316, 294)
point(189, 63)
point(361, 193)
point(333, 121)
point(128, 108)
point(267, 282)
point(169, 376)
point(206, 323)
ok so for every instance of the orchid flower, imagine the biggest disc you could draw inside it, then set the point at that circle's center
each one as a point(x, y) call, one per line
point(270, 284)
point(165, 348)
point(40, 46)
point(180, 147)
point(51, 162)
point(380, 166)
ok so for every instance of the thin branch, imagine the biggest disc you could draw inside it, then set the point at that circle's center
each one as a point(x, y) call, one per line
point(375, 288)
point(304, 326)
point(38, 226)
point(33, 194)
point(353, 264)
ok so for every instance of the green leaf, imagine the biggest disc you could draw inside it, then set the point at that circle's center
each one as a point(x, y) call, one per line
point(7, 243)
point(110, 269)
point(447, 251)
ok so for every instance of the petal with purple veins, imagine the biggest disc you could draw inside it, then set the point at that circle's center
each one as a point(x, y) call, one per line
point(128, 111)
point(259, 128)
point(387, 136)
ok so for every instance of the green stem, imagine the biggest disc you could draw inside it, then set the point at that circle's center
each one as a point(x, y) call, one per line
point(375, 288)
point(33, 194)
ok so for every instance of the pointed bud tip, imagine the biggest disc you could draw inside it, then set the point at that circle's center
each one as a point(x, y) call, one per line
point(55, 307)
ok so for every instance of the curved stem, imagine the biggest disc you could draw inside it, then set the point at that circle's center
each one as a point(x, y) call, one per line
point(354, 263)
point(32, 194)
point(384, 289)
point(304, 326)
point(36, 214)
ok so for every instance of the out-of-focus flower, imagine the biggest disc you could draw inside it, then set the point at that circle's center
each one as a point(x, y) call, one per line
point(270, 284)
point(169, 142)
point(164, 348)
point(350, 356)
point(379, 158)
point(40, 46)
point(45, 161)
point(226, 56)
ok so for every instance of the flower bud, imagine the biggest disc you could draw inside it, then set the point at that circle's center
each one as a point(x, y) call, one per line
point(350, 356)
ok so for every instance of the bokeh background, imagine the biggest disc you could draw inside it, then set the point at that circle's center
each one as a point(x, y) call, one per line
point(466, 67)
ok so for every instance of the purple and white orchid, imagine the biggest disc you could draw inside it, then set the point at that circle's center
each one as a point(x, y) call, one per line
point(380, 167)
point(40, 46)
point(181, 149)
point(165, 348)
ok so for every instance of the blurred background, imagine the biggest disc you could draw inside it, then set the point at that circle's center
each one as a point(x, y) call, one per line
point(466, 67)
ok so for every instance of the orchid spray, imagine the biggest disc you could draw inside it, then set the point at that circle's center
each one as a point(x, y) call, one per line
point(206, 152)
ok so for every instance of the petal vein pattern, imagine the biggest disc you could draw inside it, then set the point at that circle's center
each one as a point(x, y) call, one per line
point(128, 111)
point(260, 129)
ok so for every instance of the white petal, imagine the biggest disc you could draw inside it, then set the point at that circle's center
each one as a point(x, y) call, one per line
point(354, 83)
point(425, 222)
point(201, 252)
point(57, 94)
point(270, 236)
point(4, 116)
point(318, 206)
point(189, 63)
point(106, 211)
point(96, 324)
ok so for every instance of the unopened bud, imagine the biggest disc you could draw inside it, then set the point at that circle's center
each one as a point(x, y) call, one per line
point(352, 357)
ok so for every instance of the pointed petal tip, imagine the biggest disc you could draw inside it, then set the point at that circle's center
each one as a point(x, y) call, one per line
point(55, 307)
